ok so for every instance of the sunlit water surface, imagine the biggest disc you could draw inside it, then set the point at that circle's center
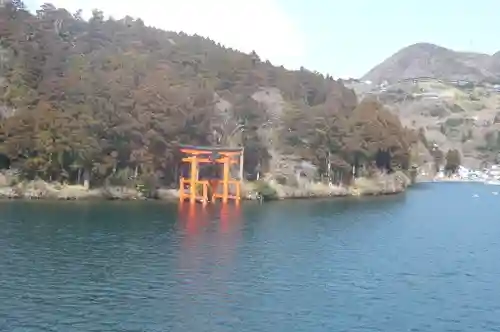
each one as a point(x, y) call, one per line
point(427, 261)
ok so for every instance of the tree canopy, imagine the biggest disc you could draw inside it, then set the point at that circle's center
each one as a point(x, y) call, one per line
point(453, 161)
point(100, 96)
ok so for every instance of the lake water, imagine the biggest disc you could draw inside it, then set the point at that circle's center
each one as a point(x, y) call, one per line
point(423, 261)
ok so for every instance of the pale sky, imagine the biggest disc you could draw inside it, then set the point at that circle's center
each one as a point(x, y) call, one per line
point(344, 38)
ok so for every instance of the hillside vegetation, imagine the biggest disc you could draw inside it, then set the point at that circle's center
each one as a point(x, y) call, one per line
point(111, 99)
point(451, 97)
point(454, 117)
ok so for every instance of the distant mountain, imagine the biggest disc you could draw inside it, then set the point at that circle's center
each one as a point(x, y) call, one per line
point(429, 60)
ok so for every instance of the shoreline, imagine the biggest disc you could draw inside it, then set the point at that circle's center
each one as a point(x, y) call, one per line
point(38, 190)
point(451, 180)
point(172, 198)
point(176, 199)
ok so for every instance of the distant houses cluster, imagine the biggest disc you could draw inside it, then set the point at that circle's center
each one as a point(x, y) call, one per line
point(458, 83)
point(402, 90)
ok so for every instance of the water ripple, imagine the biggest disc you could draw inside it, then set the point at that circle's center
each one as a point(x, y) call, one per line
point(387, 264)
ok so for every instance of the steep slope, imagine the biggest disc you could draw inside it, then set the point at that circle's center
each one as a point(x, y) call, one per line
point(452, 116)
point(108, 97)
point(429, 60)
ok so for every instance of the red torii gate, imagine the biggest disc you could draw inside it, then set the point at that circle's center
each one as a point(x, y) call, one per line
point(189, 187)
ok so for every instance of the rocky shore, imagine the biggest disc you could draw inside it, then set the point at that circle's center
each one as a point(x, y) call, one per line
point(381, 184)
point(35, 190)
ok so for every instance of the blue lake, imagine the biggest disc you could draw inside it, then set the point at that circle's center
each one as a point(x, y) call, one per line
point(422, 261)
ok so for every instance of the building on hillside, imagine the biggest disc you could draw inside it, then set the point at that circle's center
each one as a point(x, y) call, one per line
point(463, 172)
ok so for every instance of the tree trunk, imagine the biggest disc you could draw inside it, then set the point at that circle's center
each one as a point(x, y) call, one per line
point(241, 164)
point(50, 167)
point(176, 172)
point(329, 168)
point(86, 179)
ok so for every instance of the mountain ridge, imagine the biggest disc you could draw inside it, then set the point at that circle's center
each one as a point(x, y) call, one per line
point(431, 60)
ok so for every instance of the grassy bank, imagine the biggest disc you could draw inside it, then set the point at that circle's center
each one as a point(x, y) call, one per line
point(268, 189)
point(379, 184)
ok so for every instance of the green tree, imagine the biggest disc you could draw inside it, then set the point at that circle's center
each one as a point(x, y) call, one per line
point(453, 161)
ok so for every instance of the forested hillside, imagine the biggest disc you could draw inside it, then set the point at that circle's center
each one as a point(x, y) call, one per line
point(109, 96)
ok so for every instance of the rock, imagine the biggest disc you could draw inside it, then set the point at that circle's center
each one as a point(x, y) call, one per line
point(4, 181)
point(121, 193)
point(9, 193)
point(168, 194)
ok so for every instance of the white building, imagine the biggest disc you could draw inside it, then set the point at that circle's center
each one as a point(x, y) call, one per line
point(463, 172)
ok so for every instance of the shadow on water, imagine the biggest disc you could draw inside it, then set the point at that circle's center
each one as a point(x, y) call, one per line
point(128, 230)
point(89, 216)
point(310, 210)
point(185, 222)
